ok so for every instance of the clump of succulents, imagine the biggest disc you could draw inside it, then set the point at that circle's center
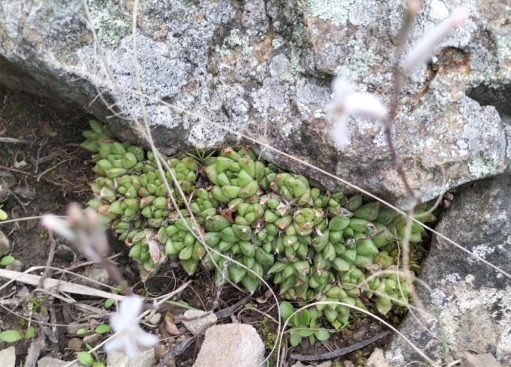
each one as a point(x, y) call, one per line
point(313, 245)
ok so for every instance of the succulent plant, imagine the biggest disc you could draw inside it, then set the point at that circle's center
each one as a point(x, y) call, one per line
point(311, 244)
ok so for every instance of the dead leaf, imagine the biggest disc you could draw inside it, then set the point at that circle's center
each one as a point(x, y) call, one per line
point(170, 324)
point(227, 214)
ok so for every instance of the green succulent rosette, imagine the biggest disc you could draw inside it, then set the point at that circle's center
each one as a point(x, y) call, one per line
point(311, 244)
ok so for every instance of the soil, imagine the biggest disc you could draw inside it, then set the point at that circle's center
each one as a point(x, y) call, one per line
point(42, 170)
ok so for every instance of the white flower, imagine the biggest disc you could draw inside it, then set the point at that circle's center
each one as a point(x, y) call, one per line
point(346, 103)
point(130, 334)
point(424, 48)
point(83, 229)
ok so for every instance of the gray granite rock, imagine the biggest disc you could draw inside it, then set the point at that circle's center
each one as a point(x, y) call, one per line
point(5, 246)
point(144, 358)
point(197, 321)
point(231, 345)
point(53, 362)
point(264, 69)
point(473, 300)
point(8, 357)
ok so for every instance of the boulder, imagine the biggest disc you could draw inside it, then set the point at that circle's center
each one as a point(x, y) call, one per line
point(469, 302)
point(263, 69)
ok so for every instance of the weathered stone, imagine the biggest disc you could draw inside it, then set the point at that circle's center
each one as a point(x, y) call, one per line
point(263, 68)
point(8, 357)
point(96, 275)
point(16, 265)
point(5, 246)
point(473, 300)
point(197, 321)
point(377, 359)
point(75, 344)
point(73, 327)
point(231, 345)
point(144, 358)
point(53, 362)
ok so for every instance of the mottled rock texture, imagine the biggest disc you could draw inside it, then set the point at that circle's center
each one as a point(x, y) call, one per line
point(263, 68)
point(473, 300)
point(231, 345)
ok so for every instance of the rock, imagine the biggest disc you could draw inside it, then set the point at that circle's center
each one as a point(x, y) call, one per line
point(65, 253)
point(92, 339)
point(324, 364)
point(96, 274)
point(53, 362)
point(5, 246)
point(377, 359)
point(73, 327)
point(231, 345)
point(16, 265)
point(197, 321)
point(144, 358)
point(473, 299)
point(154, 319)
point(75, 344)
point(478, 360)
point(8, 357)
point(268, 77)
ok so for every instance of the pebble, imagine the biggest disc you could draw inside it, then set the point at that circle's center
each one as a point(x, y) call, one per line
point(144, 358)
point(8, 357)
point(16, 265)
point(75, 344)
point(200, 321)
point(73, 327)
point(377, 359)
point(231, 345)
point(5, 246)
point(53, 362)
point(92, 339)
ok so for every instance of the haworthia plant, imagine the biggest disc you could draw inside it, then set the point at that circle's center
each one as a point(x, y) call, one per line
point(311, 244)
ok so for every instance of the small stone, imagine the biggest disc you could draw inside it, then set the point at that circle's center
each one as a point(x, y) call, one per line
point(324, 364)
point(53, 362)
point(75, 344)
point(73, 327)
point(231, 345)
point(160, 351)
point(377, 359)
point(8, 357)
point(5, 246)
point(97, 274)
point(197, 321)
point(144, 358)
point(348, 364)
point(154, 319)
point(16, 265)
point(92, 339)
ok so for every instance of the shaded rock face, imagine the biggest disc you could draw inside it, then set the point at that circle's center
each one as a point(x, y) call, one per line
point(473, 300)
point(263, 68)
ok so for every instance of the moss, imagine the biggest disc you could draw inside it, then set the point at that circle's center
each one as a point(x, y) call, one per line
point(268, 331)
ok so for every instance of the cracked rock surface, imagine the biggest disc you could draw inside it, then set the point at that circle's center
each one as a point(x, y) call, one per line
point(263, 68)
point(473, 299)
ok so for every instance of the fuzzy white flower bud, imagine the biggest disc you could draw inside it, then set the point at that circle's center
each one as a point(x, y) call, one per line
point(424, 48)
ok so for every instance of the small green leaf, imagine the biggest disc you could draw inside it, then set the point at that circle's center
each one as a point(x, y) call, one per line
point(3, 215)
point(30, 332)
point(305, 332)
point(98, 364)
point(82, 331)
point(10, 336)
point(295, 338)
point(303, 318)
point(322, 334)
point(102, 329)
point(85, 359)
point(286, 310)
point(109, 302)
point(6, 260)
